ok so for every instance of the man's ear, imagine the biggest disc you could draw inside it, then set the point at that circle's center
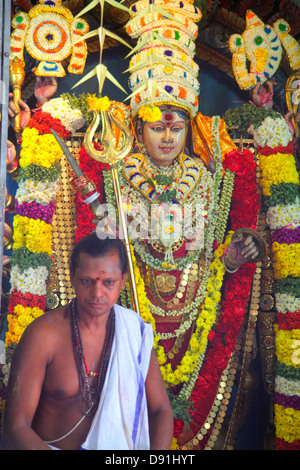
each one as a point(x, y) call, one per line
point(123, 282)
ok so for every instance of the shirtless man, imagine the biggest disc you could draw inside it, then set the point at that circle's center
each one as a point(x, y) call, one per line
point(44, 399)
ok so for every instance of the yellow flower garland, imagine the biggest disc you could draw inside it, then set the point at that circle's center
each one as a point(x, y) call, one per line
point(17, 323)
point(98, 104)
point(284, 340)
point(276, 169)
point(145, 310)
point(287, 422)
point(38, 149)
point(286, 260)
point(35, 235)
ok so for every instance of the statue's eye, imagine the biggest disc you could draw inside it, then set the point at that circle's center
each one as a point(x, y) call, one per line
point(258, 40)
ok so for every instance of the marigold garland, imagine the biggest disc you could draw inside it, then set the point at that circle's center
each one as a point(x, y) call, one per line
point(284, 345)
point(17, 322)
point(280, 184)
point(98, 103)
point(35, 205)
point(286, 260)
point(35, 235)
point(277, 169)
point(39, 149)
point(287, 422)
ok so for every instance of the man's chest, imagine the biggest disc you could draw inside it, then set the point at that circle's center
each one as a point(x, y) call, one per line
point(62, 378)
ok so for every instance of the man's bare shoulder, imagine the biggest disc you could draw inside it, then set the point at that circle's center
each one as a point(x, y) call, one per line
point(40, 341)
point(48, 328)
point(52, 319)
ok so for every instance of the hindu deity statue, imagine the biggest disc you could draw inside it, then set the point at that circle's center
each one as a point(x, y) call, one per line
point(186, 191)
point(191, 202)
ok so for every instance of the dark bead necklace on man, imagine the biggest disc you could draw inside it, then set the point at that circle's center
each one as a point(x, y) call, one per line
point(91, 394)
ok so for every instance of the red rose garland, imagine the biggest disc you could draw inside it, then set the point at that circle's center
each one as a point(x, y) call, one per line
point(93, 171)
point(44, 122)
point(245, 198)
point(26, 300)
point(222, 340)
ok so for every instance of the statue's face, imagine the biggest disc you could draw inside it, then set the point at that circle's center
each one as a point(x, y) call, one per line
point(164, 139)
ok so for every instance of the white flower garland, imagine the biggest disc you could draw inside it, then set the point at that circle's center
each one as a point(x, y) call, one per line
point(286, 303)
point(70, 118)
point(39, 192)
point(273, 132)
point(32, 280)
point(287, 387)
point(283, 216)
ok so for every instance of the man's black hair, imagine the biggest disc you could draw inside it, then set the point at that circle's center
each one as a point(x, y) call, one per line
point(95, 246)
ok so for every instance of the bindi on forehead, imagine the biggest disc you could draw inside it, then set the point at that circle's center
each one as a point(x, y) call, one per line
point(168, 118)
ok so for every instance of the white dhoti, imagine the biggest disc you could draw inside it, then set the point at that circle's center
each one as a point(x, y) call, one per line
point(121, 420)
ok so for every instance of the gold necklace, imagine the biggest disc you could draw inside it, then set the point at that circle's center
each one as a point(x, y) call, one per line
point(190, 277)
point(161, 249)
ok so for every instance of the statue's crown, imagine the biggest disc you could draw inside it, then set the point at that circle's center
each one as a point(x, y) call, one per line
point(163, 70)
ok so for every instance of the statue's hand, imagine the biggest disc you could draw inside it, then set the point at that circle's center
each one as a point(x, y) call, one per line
point(242, 249)
point(262, 95)
point(23, 109)
point(44, 88)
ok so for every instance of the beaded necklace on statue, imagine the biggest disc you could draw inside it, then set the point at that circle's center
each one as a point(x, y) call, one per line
point(176, 182)
point(203, 305)
point(91, 395)
point(161, 192)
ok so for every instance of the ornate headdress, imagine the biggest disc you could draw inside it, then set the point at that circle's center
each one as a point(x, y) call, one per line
point(261, 44)
point(162, 69)
point(50, 33)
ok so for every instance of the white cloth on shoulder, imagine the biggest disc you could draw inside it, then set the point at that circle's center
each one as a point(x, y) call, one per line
point(121, 420)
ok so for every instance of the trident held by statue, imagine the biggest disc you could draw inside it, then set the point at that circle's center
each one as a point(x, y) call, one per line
point(113, 151)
